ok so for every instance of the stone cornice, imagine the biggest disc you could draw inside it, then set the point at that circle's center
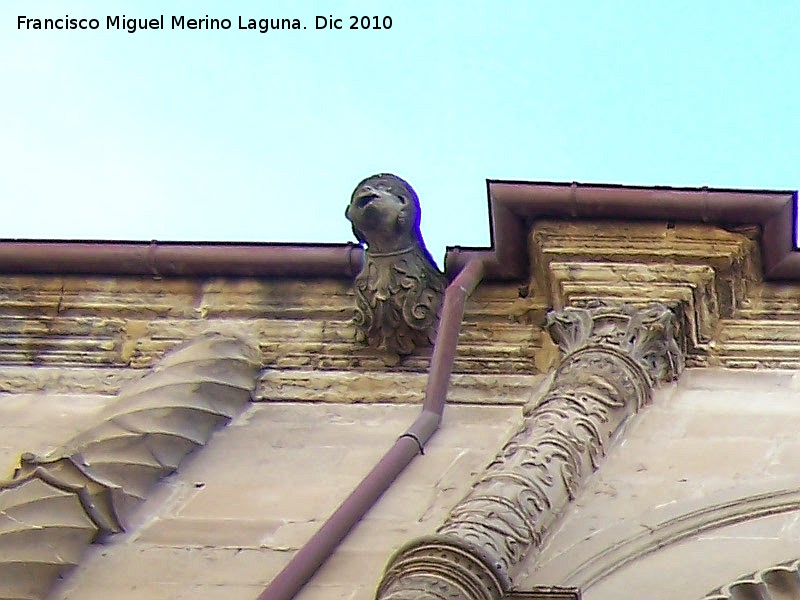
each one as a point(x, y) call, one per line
point(711, 278)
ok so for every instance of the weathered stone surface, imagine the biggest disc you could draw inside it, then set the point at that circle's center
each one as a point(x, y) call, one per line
point(399, 290)
point(719, 436)
point(613, 357)
point(74, 380)
point(120, 323)
point(56, 503)
point(313, 455)
point(703, 489)
point(732, 318)
point(39, 422)
point(397, 388)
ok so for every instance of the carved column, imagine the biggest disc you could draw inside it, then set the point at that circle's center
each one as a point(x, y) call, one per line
point(613, 356)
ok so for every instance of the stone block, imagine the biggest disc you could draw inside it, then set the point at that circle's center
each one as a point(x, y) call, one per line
point(313, 591)
point(218, 533)
point(717, 380)
point(122, 566)
point(222, 502)
point(350, 568)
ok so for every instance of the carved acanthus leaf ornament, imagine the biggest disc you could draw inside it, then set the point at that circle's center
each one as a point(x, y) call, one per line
point(613, 355)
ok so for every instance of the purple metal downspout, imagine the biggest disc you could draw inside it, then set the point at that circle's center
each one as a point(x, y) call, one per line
point(323, 543)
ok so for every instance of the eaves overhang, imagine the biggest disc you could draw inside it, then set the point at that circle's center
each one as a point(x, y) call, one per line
point(512, 205)
point(515, 205)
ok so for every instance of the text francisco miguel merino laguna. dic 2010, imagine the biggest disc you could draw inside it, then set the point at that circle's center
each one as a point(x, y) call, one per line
point(263, 25)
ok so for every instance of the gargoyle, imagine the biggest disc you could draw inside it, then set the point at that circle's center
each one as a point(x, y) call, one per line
point(399, 290)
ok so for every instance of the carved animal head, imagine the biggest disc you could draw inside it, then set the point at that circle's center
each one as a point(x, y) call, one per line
point(385, 214)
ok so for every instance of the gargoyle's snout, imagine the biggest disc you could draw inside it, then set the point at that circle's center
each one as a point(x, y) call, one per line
point(365, 198)
point(360, 200)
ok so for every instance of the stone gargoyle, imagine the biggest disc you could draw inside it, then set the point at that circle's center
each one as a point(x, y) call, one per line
point(399, 290)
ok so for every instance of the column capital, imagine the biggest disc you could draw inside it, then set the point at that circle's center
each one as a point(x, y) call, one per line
point(649, 335)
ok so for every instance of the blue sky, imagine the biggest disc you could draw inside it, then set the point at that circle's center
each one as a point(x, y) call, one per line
point(242, 136)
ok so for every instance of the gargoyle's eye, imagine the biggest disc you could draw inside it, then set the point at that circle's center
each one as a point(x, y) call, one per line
point(403, 199)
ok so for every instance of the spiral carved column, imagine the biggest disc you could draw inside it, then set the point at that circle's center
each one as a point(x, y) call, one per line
point(613, 356)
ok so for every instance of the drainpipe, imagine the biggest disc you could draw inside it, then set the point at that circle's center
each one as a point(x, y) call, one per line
point(323, 543)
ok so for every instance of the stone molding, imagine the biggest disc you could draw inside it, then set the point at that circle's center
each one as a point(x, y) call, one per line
point(613, 357)
point(709, 275)
point(436, 568)
point(664, 533)
point(781, 581)
point(337, 387)
point(462, 573)
point(705, 274)
point(57, 504)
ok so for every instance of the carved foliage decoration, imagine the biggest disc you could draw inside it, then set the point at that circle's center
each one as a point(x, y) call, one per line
point(613, 354)
point(55, 505)
point(647, 335)
point(399, 290)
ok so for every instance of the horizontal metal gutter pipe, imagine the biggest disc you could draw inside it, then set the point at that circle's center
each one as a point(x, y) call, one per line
point(515, 205)
point(323, 543)
point(175, 259)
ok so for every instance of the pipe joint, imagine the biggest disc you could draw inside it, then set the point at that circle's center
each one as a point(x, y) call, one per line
point(408, 434)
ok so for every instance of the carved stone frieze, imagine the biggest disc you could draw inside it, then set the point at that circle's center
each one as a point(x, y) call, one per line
point(613, 355)
point(399, 290)
point(56, 504)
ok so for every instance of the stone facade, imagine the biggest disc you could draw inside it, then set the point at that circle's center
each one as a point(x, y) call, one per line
point(699, 491)
point(325, 410)
point(690, 494)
